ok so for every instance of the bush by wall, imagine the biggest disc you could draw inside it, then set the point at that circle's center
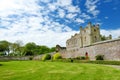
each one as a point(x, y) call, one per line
point(46, 57)
point(101, 62)
point(80, 58)
point(88, 61)
point(99, 57)
point(83, 58)
point(57, 56)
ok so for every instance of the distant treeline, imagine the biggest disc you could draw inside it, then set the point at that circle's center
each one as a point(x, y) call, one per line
point(18, 49)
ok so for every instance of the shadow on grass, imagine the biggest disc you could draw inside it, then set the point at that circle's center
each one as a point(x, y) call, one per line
point(0, 64)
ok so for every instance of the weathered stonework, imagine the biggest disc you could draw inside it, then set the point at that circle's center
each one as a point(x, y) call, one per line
point(87, 36)
point(90, 43)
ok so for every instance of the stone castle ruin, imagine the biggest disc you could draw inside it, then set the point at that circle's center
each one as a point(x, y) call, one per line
point(88, 42)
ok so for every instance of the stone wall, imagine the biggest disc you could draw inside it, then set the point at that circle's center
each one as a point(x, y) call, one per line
point(37, 57)
point(2, 58)
point(110, 49)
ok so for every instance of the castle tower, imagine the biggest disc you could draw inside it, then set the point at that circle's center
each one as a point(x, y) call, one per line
point(90, 34)
point(81, 37)
point(87, 36)
point(86, 32)
point(95, 33)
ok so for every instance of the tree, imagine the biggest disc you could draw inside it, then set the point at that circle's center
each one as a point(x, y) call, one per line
point(5, 47)
point(53, 49)
point(44, 49)
point(29, 48)
point(16, 48)
point(103, 38)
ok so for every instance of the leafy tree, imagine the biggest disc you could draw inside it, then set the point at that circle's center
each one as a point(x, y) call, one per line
point(5, 47)
point(29, 48)
point(103, 38)
point(16, 48)
point(53, 49)
point(44, 49)
point(33, 49)
point(2, 53)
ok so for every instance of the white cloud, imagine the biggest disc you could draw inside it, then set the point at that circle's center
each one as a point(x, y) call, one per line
point(64, 2)
point(91, 5)
point(29, 27)
point(29, 21)
point(8, 7)
point(80, 20)
point(52, 7)
point(73, 9)
point(71, 15)
point(114, 33)
point(61, 13)
point(85, 16)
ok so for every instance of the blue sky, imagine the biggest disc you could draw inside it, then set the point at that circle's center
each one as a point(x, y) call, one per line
point(51, 22)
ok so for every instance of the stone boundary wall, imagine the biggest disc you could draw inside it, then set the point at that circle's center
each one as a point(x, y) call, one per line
point(37, 57)
point(110, 49)
point(14, 58)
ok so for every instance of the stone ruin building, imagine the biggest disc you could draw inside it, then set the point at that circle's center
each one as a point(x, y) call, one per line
point(88, 42)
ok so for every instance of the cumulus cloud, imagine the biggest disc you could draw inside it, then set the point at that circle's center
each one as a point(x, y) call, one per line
point(30, 21)
point(91, 5)
point(114, 33)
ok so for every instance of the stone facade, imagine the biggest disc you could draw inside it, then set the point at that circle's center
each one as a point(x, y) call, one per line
point(89, 41)
point(87, 36)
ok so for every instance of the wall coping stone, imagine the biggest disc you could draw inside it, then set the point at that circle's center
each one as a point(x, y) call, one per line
point(106, 41)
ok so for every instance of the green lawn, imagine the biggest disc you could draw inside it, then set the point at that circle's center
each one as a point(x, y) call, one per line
point(36, 70)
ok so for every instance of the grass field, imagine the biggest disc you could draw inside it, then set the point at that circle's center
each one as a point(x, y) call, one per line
point(36, 70)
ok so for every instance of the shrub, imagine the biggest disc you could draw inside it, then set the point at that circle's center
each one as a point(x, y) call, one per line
point(71, 60)
point(99, 57)
point(46, 57)
point(82, 58)
point(57, 56)
point(3, 53)
point(31, 58)
point(78, 58)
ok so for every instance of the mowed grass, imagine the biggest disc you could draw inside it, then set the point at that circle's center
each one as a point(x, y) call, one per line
point(36, 70)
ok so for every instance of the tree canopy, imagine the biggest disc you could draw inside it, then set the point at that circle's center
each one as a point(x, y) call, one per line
point(17, 49)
